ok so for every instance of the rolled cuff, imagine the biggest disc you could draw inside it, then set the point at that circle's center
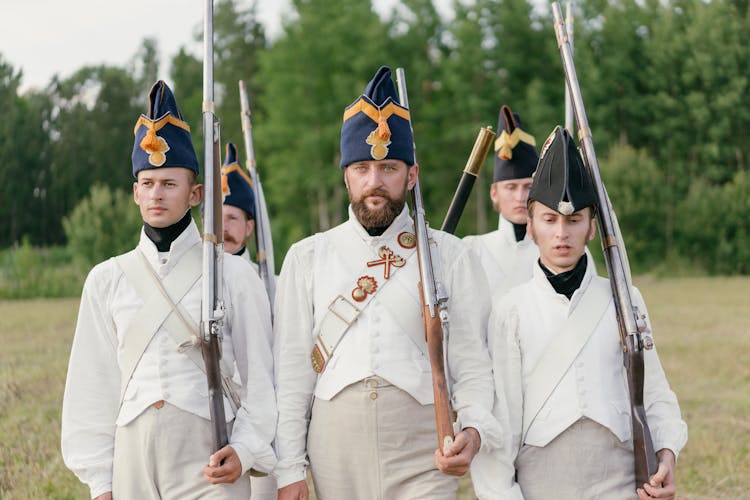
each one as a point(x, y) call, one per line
point(485, 423)
point(287, 476)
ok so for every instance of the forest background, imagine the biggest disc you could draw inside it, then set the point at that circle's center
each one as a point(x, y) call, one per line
point(665, 84)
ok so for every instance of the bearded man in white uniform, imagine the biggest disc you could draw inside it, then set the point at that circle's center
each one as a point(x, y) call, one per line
point(575, 442)
point(508, 254)
point(135, 418)
point(362, 416)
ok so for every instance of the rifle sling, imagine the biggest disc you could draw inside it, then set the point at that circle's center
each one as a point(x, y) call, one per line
point(161, 308)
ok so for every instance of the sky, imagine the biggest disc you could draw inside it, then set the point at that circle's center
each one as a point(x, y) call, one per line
point(48, 37)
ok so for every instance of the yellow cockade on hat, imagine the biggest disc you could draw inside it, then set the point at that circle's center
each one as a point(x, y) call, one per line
point(505, 143)
point(156, 146)
point(380, 138)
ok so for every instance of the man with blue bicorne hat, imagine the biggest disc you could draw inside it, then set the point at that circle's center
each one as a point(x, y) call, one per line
point(135, 417)
point(238, 209)
point(558, 363)
point(239, 204)
point(353, 373)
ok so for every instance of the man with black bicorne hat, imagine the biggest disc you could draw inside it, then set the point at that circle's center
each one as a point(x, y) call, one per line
point(568, 432)
point(353, 374)
point(135, 417)
point(508, 253)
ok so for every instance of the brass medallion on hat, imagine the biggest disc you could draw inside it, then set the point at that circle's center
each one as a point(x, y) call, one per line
point(376, 126)
point(236, 185)
point(515, 149)
point(162, 137)
point(561, 181)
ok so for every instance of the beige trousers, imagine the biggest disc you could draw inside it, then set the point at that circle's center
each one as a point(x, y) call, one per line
point(585, 462)
point(161, 455)
point(373, 441)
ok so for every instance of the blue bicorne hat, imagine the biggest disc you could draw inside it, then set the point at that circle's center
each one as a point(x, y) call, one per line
point(162, 138)
point(376, 126)
point(236, 185)
point(515, 150)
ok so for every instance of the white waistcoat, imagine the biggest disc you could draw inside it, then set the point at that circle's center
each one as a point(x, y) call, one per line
point(375, 344)
point(507, 262)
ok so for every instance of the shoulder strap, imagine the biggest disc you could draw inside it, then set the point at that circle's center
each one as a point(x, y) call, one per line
point(344, 310)
point(157, 302)
point(562, 351)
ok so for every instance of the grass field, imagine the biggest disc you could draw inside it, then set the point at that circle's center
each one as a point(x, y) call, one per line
point(702, 329)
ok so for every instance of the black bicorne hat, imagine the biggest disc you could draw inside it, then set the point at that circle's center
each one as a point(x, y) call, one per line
point(515, 149)
point(561, 181)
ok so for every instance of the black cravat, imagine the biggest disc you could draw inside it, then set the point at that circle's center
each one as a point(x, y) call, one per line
point(568, 282)
point(164, 236)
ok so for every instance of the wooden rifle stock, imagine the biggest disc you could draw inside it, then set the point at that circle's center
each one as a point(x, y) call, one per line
point(433, 331)
point(212, 303)
point(434, 305)
point(473, 166)
point(630, 323)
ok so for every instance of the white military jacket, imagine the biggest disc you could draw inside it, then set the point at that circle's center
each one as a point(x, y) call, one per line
point(506, 261)
point(91, 409)
point(522, 324)
point(319, 268)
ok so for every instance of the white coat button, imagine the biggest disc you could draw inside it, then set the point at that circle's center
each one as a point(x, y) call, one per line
point(373, 395)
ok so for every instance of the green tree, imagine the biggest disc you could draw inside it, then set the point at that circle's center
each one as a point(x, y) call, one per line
point(89, 227)
point(321, 63)
point(24, 156)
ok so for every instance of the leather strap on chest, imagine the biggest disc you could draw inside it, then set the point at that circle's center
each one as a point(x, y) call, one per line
point(564, 348)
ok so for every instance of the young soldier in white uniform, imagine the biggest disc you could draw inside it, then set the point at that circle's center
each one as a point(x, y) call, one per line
point(508, 254)
point(576, 443)
point(239, 222)
point(362, 416)
point(135, 418)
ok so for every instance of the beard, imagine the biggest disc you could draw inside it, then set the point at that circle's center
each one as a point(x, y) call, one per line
point(379, 217)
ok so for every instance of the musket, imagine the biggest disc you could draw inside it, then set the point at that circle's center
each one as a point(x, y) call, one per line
point(473, 166)
point(264, 241)
point(570, 126)
point(434, 302)
point(568, 103)
point(632, 327)
point(212, 303)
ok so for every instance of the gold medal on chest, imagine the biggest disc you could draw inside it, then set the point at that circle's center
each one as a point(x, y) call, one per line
point(407, 240)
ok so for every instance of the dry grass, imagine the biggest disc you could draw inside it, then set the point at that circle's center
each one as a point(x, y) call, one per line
point(702, 329)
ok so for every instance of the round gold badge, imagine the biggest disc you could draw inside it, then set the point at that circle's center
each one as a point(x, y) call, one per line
point(407, 240)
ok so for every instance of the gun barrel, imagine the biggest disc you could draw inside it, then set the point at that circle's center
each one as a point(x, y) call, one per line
point(630, 335)
point(213, 247)
point(482, 145)
point(263, 238)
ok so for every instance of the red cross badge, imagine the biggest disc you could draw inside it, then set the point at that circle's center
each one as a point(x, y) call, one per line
point(387, 259)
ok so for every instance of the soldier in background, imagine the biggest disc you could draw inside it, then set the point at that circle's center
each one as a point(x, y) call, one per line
point(569, 433)
point(361, 415)
point(135, 417)
point(239, 204)
point(239, 222)
point(508, 254)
